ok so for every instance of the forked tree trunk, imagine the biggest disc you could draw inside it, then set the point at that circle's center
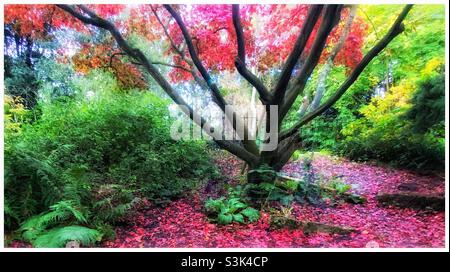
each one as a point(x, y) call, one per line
point(271, 162)
point(263, 165)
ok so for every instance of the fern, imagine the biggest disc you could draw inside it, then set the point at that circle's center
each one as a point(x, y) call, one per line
point(110, 212)
point(114, 202)
point(60, 212)
point(68, 206)
point(58, 237)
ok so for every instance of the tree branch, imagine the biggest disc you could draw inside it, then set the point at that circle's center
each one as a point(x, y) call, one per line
point(264, 94)
point(137, 54)
point(172, 65)
point(320, 91)
point(180, 51)
point(305, 33)
point(394, 31)
point(288, 147)
point(217, 97)
point(198, 64)
point(166, 32)
point(330, 19)
point(112, 57)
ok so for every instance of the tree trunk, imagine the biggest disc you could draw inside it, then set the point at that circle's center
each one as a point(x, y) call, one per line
point(263, 165)
point(261, 173)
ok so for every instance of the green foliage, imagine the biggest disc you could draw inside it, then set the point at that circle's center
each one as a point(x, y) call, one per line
point(338, 185)
point(368, 122)
point(396, 131)
point(55, 79)
point(264, 173)
point(231, 209)
point(311, 187)
point(428, 104)
point(58, 237)
point(21, 81)
point(336, 191)
point(15, 115)
point(63, 212)
point(102, 152)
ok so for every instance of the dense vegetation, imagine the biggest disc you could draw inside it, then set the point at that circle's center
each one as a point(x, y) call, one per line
point(88, 129)
point(89, 159)
point(379, 119)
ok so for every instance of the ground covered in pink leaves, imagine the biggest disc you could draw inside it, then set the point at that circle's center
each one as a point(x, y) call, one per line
point(183, 223)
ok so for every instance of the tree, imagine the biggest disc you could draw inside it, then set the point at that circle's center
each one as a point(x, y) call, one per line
point(198, 54)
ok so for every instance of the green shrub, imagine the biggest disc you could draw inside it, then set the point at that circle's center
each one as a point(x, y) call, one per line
point(405, 128)
point(428, 103)
point(232, 209)
point(101, 152)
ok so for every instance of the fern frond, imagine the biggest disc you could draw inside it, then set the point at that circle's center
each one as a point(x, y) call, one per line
point(59, 212)
point(31, 228)
point(58, 237)
point(69, 207)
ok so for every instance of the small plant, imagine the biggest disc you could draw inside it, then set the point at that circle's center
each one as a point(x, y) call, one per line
point(266, 192)
point(226, 211)
point(338, 185)
point(291, 185)
point(114, 202)
point(336, 190)
point(40, 230)
point(309, 176)
point(307, 192)
point(296, 155)
point(285, 212)
point(58, 237)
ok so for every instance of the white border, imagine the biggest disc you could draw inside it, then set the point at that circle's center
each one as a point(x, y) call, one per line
point(445, 249)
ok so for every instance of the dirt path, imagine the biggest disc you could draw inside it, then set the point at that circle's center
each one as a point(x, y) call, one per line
point(183, 224)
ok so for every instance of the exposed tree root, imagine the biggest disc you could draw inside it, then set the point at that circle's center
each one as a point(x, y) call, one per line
point(414, 201)
point(278, 222)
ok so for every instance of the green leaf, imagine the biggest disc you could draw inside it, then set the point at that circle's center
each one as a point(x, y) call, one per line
point(235, 204)
point(224, 219)
point(58, 237)
point(238, 218)
point(214, 205)
point(266, 186)
point(251, 213)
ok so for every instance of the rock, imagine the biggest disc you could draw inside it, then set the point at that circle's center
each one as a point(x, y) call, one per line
point(413, 201)
point(411, 186)
point(73, 244)
point(278, 222)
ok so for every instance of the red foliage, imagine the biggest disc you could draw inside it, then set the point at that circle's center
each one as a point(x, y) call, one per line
point(101, 56)
point(270, 31)
point(183, 223)
point(35, 20)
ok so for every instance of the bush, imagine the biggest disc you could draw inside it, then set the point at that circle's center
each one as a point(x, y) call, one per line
point(400, 123)
point(232, 209)
point(428, 103)
point(403, 131)
point(102, 153)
